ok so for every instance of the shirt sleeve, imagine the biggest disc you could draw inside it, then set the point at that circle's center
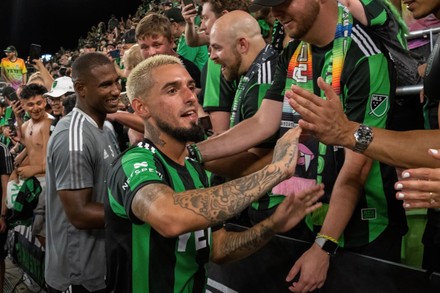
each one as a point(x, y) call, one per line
point(73, 165)
point(375, 12)
point(136, 174)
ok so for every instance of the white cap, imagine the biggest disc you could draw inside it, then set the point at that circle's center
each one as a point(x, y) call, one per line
point(60, 86)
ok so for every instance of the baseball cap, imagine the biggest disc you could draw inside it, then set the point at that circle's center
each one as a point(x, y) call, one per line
point(60, 86)
point(174, 15)
point(10, 49)
point(258, 4)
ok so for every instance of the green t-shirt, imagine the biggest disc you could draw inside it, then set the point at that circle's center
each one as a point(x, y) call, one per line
point(217, 93)
point(197, 55)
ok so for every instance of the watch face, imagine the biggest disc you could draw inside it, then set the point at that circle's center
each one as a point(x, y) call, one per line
point(364, 135)
point(326, 245)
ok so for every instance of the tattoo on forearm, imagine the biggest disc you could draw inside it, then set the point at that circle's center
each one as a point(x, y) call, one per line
point(282, 149)
point(246, 242)
point(219, 203)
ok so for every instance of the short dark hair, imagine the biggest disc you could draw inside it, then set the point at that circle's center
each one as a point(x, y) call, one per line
point(84, 64)
point(32, 90)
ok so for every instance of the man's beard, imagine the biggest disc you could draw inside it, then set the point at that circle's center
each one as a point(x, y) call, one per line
point(233, 70)
point(305, 22)
point(193, 134)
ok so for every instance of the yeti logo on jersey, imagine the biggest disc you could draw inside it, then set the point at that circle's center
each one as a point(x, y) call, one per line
point(379, 105)
point(140, 165)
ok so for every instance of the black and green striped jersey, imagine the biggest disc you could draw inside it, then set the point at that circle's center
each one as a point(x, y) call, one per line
point(367, 94)
point(217, 93)
point(248, 97)
point(139, 259)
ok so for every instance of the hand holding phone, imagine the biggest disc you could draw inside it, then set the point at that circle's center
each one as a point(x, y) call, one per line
point(115, 54)
point(189, 12)
point(11, 125)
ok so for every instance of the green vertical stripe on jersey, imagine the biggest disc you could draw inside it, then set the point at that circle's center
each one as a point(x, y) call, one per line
point(140, 258)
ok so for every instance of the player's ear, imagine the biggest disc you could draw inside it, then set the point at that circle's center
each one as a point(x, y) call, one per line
point(140, 108)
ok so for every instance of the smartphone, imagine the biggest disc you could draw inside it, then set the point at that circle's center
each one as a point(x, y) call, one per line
point(187, 2)
point(115, 54)
point(34, 52)
point(206, 124)
point(12, 130)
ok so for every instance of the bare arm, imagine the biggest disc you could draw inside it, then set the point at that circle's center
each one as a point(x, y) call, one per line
point(232, 246)
point(120, 72)
point(81, 211)
point(356, 9)
point(192, 36)
point(128, 119)
point(4, 181)
point(24, 78)
point(244, 135)
point(314, 263)
point(241, 164)
point(5, 77)
point(44, 73)
point(220, 121)
point(327, 120)
point(172, 213)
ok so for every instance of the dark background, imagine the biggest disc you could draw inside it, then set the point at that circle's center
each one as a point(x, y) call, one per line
point(55, 23)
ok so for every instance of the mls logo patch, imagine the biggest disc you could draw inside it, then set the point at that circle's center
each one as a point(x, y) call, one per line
point(379, 105)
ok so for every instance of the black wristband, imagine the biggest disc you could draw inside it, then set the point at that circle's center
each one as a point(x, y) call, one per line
point(194, 153)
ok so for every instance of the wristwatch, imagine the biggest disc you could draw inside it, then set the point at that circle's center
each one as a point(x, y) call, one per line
point(327, 245)
point(363, 137)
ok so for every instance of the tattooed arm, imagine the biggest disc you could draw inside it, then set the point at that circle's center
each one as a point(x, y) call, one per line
point(172, 213)
point(231, 246)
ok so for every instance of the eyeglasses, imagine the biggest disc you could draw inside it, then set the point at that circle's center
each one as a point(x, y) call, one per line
point(58, 100)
